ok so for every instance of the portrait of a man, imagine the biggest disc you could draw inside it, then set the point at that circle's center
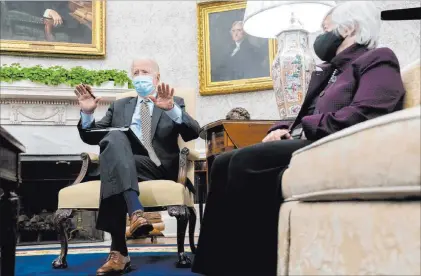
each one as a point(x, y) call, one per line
point(52, 21)
point(234, 54)
point(230, 60)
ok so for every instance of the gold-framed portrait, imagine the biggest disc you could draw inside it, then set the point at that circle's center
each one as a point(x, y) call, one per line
point(53, 28)
point(230, 61)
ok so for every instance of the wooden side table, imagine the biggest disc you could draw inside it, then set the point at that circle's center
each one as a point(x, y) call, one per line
point(10, 149)
point(227, 135)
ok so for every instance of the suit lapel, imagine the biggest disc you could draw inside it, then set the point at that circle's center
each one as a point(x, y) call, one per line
point(156, 115)
point(128, 111)
point(317, 79)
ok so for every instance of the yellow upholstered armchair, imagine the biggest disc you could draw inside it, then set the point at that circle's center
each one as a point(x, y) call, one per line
point(156, 195)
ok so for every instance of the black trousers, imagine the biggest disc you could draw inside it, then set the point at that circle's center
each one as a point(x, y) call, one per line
point(238, 234)
point(121, 170)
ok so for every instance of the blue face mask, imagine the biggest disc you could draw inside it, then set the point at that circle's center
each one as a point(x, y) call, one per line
point(143, 85)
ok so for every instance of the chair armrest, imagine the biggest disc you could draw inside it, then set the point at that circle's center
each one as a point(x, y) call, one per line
point(193, 155)
point(94, 158)
point(187, 158)
point(186, 155)
point(87, 159)
point(182, 166)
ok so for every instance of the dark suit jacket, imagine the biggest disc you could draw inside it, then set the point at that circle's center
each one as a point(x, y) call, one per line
point(247, 63)
point(164, 130)
point(368, 85)
point(37, 8)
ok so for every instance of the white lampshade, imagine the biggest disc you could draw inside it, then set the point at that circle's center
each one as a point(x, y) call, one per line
point(269, 18)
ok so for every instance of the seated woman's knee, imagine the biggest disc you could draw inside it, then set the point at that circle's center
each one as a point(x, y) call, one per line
point(240, 160)
point(221, 161)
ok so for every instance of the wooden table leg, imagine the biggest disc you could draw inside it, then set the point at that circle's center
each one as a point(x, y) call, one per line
point(9, 206)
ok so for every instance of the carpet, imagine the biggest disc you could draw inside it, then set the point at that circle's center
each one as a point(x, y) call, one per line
point(145, 260)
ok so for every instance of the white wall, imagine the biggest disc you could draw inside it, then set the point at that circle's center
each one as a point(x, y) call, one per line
point(167, 31)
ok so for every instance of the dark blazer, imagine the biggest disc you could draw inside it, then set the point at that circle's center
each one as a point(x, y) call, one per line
point(37, 8)
point(164, 130)
point(368, 85)
point(249, 62)
point(76, 32)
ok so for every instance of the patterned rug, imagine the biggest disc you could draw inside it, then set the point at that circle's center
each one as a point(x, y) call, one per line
point(146, 261)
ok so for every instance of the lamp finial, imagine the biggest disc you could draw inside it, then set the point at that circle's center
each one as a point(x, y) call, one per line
point(295, 22)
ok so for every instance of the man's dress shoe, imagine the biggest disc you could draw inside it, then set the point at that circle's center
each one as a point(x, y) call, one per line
point(116, 264)
point(139, 225)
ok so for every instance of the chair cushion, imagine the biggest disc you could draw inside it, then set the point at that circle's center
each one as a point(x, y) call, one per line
point(379, 158)
point(156, 193)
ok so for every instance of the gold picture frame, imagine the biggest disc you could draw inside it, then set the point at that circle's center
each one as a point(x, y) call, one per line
point(31, 36)
point(209, 28)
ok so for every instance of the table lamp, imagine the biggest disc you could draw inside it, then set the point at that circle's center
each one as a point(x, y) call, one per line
point(290, 22)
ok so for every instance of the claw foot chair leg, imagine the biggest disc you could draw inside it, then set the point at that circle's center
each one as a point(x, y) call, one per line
point(60, 221)
point(181, 213)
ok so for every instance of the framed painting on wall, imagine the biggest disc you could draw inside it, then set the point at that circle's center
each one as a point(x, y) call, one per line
point(58, 28)
point(230, 61)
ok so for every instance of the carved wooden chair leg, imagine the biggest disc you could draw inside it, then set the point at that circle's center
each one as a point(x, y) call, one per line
point(181, 213)
point(192, 226)
point(60, 221)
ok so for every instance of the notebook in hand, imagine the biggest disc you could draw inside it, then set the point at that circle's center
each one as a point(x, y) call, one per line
point(97, 134)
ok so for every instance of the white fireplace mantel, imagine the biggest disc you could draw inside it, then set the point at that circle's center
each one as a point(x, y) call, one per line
point(44, 118)
point(26, 89)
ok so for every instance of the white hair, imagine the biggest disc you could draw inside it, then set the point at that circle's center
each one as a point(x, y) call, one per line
point(151, 60)
point(362, 16)
point(241, 23)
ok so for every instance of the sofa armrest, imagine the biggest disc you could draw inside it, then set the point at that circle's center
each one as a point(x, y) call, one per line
point(347, 164)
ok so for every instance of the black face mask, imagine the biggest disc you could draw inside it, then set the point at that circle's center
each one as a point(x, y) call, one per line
point(326, 45)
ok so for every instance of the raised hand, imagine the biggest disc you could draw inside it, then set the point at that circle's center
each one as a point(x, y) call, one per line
point(87, 101)
point(165, 98)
